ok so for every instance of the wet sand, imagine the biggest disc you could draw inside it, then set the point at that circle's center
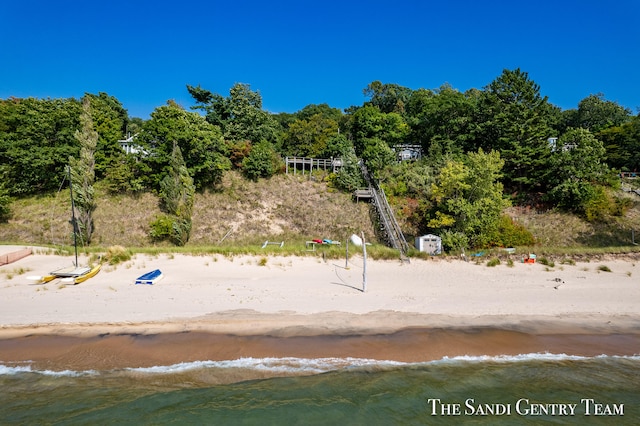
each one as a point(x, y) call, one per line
point(113, 351)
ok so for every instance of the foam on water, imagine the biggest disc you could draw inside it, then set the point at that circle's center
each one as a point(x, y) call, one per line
point(6, 370)
point(538, 356)
point(291, 365)
point(275, 365)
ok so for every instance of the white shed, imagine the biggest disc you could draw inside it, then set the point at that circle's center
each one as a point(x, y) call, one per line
point(429, 243)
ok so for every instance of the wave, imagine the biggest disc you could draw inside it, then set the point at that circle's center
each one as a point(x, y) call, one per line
point(6, 370)
point(537, 356)
point(274, 365)
point(291, 365)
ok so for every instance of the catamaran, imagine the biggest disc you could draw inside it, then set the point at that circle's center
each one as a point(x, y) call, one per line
point(72, 274)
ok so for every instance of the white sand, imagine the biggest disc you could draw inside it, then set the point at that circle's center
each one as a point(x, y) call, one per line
point(216, 293)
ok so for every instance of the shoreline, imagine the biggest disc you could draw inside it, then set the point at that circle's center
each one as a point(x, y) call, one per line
point(411, 345)
point(253, 304)
point(236, 335)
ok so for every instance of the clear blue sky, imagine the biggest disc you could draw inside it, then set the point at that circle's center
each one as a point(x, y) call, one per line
point(297, 53)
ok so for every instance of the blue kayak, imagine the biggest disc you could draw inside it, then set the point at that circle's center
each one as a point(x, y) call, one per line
point(150, 277)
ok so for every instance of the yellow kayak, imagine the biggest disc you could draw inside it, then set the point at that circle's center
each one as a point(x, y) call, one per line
point(82, 278)
point(39, 279)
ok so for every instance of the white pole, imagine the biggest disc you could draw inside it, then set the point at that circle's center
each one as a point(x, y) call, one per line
point(346, 256)
point(364, 268)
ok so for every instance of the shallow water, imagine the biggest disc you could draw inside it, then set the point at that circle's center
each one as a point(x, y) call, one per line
point(480, 390)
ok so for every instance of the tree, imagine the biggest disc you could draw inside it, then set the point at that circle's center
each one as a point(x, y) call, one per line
point(240, 116)
point(36, 140)
point(323, 110)
point(110, 120)
point(368, 125)
point(261, 162)
point(623, 145)
point(83, 173)
point(201, 145)
point(127, 174)
point(309, 137)
point(349, 177)
point(377, 155)
point(512, 117)
point(468, 201)
point(442, 121)
point(595, 113)
point(177, 193)
point(336, 146)
point(387, 97)
point(578, 168)
point(5, 203)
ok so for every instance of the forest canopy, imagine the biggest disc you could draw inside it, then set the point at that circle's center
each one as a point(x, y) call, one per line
point(470, 153)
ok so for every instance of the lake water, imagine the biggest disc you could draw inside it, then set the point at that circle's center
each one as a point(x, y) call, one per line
point(523, 389)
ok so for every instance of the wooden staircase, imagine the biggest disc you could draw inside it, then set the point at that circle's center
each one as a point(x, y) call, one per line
point(389, 226)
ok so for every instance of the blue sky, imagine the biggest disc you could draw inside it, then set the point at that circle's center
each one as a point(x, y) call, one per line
point(297, 53)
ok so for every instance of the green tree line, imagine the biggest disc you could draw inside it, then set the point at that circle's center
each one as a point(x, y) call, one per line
point(482, 150)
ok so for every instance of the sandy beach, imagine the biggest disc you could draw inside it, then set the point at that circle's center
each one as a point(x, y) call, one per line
point(218, 307)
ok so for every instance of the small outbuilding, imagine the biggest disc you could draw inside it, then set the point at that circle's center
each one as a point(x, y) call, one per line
point(429, 243)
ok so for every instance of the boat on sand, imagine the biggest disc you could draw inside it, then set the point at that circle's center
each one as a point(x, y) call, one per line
point(150, 277)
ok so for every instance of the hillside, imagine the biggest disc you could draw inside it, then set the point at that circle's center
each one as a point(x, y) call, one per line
point(240, 212)
point(286, 208)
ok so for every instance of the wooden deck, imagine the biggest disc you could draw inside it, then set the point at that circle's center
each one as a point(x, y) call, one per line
point(307, 165)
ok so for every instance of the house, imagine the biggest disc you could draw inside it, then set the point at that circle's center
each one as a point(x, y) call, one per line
point(407, 152)
point(129, 145)
point(553, 144)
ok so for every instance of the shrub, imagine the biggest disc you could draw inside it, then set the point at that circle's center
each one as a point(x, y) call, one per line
point(598, 206)
point(512, 234)
point(161, 228)
point(349, 177)
point(493, 262)
point(261, 162)
point(171, 228)
point(5, 203)
point(604, 268)
point(546, 262)
point(181, 228)
point(454, 240)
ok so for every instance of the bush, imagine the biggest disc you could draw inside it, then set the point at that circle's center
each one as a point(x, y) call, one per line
point(546, 262)
point(261, 162)
point(171, 228)
point(493, 262)
point(181, 231)
point(512, 234)
point(598, 206)
point(5, 206)
point(452, 240)
point(349, 177)
point(161, 228)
